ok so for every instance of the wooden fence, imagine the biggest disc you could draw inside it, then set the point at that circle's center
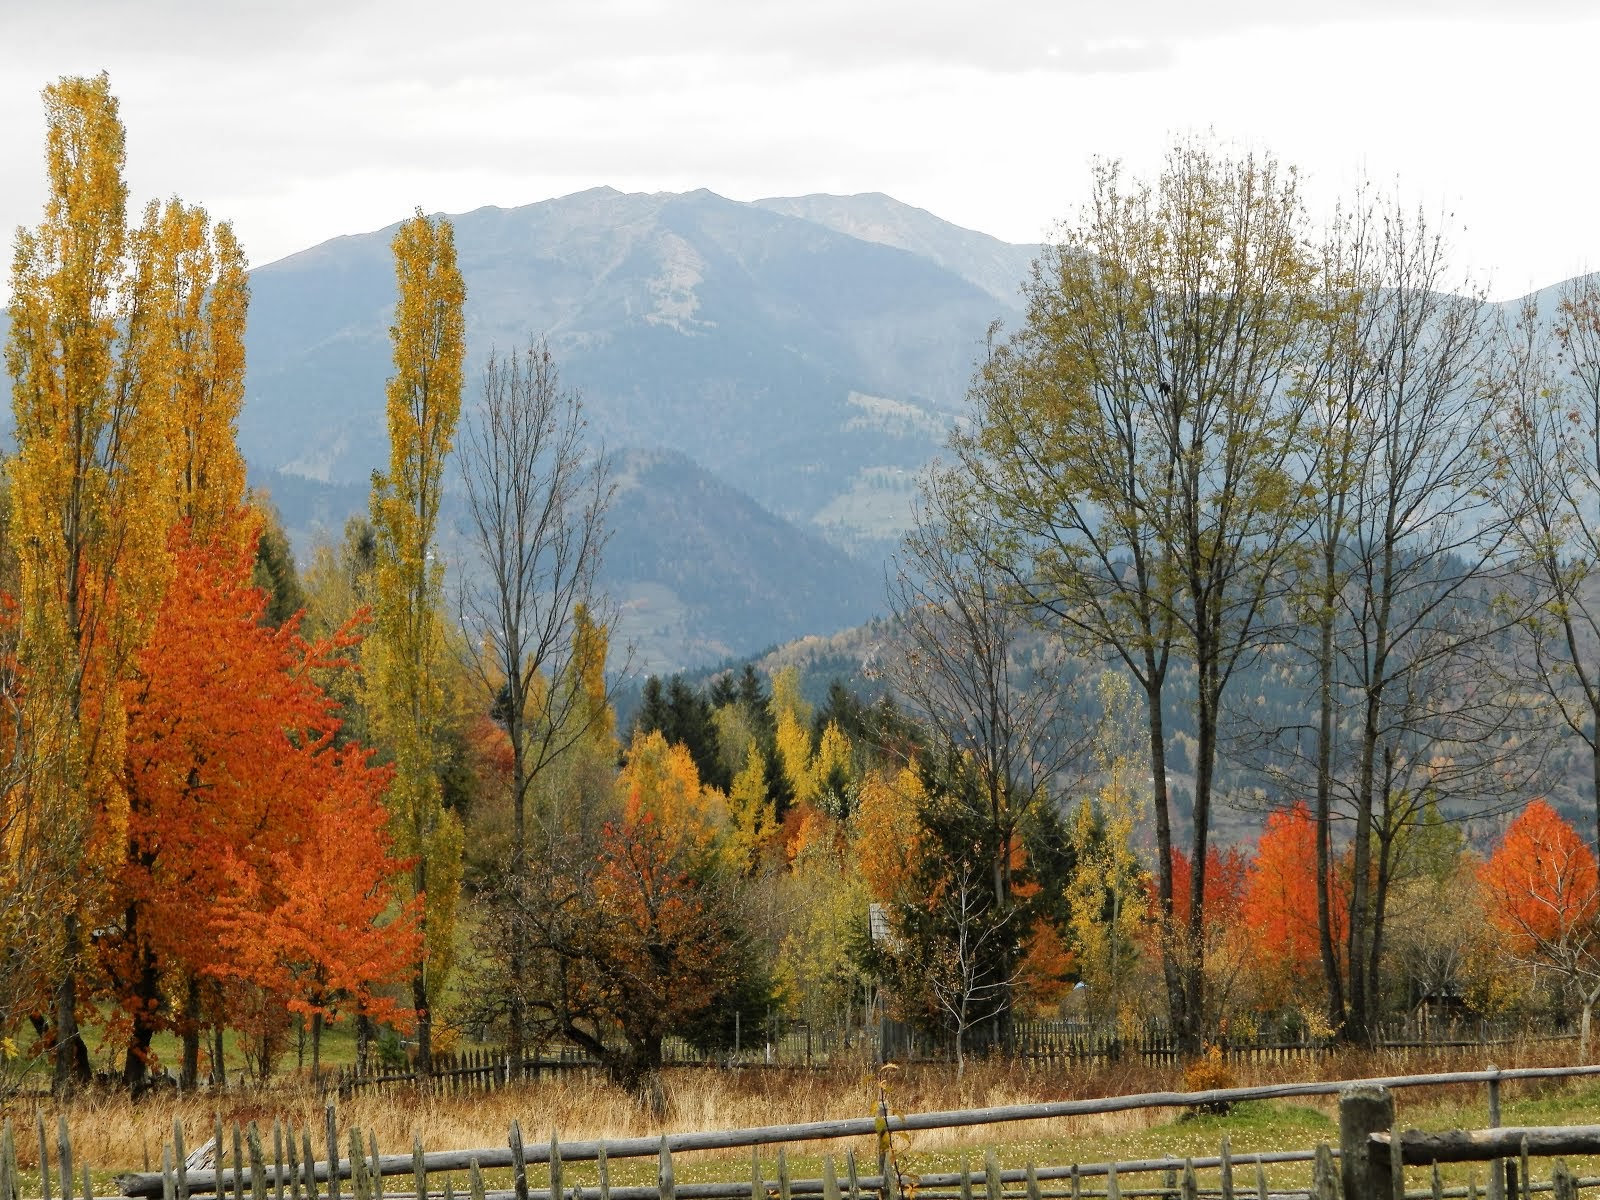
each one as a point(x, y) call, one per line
point(1036, 1042)
point(281, 1162)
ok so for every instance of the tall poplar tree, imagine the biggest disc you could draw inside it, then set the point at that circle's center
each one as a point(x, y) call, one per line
point(89, 486)
point(402, 659)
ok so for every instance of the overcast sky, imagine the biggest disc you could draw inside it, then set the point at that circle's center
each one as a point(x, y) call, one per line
point(304, 119)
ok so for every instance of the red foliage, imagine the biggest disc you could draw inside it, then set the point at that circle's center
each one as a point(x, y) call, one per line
point(230, 772)
point(1225, 884)
point(1280, 902)
point(1540, 883)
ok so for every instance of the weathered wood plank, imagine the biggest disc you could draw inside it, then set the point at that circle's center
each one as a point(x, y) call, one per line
point(1418, 1149)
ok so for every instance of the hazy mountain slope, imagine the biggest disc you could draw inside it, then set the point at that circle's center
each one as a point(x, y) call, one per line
point(703, 572)
point(998, 267)
point(724, 331)
point(699, 570)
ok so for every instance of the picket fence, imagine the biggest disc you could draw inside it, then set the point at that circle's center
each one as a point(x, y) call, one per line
point(1042, 1043)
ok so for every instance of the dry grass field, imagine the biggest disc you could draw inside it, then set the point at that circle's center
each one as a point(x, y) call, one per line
point(112, 1133)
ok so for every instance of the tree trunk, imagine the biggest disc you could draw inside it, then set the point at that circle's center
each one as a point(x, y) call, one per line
point(189, 1078)
point(146, 989)
point(219, 1065)
point(1166, 911)
point(1192, 1033)
point(71, 1053)
point(419, 973)
point(636, 1068)
point(316, 1047)
point(516, 967)
point(1332, 976)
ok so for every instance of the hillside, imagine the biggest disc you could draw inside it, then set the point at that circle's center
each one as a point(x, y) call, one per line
point(801, 364)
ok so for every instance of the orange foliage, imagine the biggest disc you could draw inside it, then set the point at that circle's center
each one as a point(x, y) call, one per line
point(1280, 903)
point(885, 836)
point(804, 825)
point(660, 931)
point(311, 927)
point(230, 770)
point(1225, 885)
point(1046, 972)
point(1540, 882)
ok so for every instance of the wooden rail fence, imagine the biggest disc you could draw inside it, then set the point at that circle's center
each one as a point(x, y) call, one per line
point(282, 1163)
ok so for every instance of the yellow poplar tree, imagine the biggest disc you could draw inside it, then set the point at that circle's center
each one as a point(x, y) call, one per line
point(190, 283)
point(406, 699)
point(90, 490)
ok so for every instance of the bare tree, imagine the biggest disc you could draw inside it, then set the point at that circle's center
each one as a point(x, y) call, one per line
point(536, 499)
point(968, 661)
point(1136, 437)
point(1549, 439)
point(1404, 572)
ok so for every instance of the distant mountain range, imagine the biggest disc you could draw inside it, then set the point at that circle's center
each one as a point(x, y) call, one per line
point(771, 376)
point(805, 356)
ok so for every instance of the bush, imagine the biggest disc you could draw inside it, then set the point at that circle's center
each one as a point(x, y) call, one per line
point(1207, 1073)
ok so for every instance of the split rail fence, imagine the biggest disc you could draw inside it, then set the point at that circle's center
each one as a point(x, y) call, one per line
point(1367, 1167)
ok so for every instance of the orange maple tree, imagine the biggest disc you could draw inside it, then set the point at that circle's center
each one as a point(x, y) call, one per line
point(1542, 894)
point(315, 928)
point(1279, 907)
point(1540, 882)
point(227, 768)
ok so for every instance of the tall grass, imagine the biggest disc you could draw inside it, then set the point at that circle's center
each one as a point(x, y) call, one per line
point(111, 1132)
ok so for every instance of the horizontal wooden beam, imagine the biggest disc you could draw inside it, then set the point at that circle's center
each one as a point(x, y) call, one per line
point(1418, 1149)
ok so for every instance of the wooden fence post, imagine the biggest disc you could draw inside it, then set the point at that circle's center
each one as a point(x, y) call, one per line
point(1364, 1111)
point(1324, 1176)
point(1566, 1187)
point(333, 1153)
point(1497, 1168)
point(64, 1150)
point(665, 1183)
point(519, 1162)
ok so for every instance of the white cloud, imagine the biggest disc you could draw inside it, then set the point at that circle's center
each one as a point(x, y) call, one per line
point(302, 120)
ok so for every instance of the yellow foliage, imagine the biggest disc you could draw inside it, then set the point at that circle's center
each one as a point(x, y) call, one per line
point(750, 813)
point(832, 761)
point(885, 833)
point(660, 779)
point(814, 971)
point(1106, 894)
point(89, 482)
point(402, 658)
point(1207, 1073)
point(190, 296)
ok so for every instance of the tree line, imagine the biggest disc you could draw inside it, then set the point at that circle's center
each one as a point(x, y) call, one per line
point(1223, 438)
point(240, 798)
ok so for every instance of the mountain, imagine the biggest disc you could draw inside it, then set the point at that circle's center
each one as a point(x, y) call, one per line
point(702, 573)
point(810, 368)
point(999, 268)
point(785, 375)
